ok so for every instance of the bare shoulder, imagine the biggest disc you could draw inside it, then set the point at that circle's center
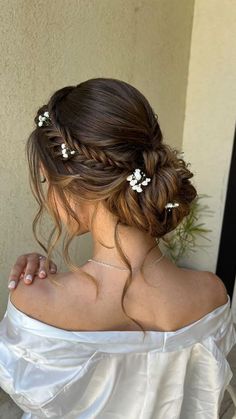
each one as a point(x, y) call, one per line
point(214, 290)
point(219, 291)
point(31, 299)
point(52, 300)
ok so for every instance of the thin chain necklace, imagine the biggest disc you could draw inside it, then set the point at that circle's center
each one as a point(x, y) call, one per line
point(125, 269)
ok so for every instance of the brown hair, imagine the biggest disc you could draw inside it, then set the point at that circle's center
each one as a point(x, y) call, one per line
point(114, 130)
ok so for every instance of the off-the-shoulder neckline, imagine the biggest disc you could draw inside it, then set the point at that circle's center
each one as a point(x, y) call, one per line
point(202, 319)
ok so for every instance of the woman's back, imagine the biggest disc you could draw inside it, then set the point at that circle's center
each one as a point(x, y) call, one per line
point(106, 374)
point(180, 297)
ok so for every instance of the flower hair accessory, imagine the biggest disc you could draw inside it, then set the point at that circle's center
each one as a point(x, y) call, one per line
point(171, 205)
point(44, 119)
point(135, 177)
point(66, 151)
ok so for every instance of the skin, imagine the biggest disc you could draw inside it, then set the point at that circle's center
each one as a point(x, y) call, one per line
point(176, 288)
point(135, 243)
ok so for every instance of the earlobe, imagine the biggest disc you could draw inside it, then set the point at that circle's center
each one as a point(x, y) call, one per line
point(42, 173)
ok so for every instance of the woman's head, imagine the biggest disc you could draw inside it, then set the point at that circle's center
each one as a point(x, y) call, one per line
point(114, 130)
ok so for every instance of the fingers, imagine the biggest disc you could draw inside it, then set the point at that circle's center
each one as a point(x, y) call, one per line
point(17, 269)
point(37, 265)
point(31, 268)
point(27, 266)
point(42, 267)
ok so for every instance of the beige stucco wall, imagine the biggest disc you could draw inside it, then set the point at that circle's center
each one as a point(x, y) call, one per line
point(210, 113)
point(47, 45)
point(210, 116)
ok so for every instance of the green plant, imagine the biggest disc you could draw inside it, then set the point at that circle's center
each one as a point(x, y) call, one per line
point(183, 239)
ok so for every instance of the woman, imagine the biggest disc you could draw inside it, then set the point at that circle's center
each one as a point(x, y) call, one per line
point(128, 334)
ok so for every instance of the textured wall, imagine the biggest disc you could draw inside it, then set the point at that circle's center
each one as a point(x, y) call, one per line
point(46, 45)
point(210, 113)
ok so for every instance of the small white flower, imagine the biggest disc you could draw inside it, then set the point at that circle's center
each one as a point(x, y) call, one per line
point(137, 188)
point(135, 177)
point(138, 176)
point(171, 205)
point(65, 150)
point(43, 118)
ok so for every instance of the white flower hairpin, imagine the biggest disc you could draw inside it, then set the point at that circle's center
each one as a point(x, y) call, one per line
point(138, 175)
point(44, 119)
point(66, 151)
point(135, 177)
point(172, 205)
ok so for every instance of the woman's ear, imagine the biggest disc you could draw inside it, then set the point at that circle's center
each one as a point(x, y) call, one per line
point(43, 180)
point(42, 172)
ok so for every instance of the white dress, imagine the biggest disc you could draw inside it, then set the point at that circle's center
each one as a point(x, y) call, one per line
point(54, 373)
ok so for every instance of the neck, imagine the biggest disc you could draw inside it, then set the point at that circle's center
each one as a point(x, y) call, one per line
point(136, 246)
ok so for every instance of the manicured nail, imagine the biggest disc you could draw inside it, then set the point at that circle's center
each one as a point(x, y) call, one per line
point(53, 270)
point(42, 273)
point(28, 278)
point(11, 284)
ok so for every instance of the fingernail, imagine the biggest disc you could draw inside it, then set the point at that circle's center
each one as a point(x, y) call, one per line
point(42, 273)
point(11, 284)
point(28, 277)
point(53, 270)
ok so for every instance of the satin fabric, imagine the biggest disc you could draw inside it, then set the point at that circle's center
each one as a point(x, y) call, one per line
point(54, 373)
